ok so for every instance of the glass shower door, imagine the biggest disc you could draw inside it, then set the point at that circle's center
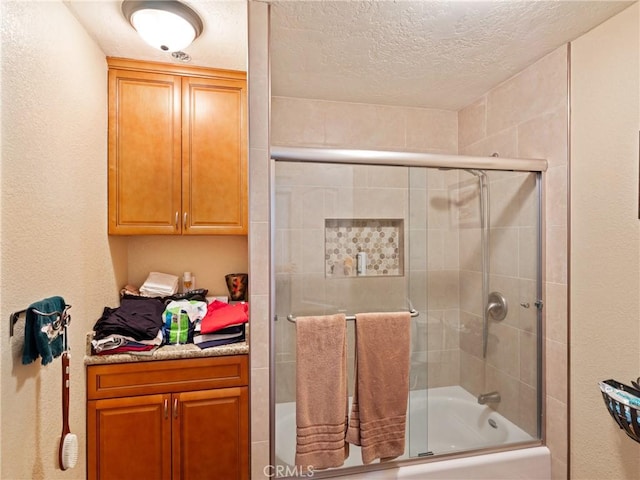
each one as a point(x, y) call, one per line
point(474, 376)
point(497, 398)
point(328, 217)
point(421, 232)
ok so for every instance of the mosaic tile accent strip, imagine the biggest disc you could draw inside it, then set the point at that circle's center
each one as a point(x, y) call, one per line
point(381, 240)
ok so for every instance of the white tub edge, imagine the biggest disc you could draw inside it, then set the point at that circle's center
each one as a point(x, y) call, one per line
point(523, 464)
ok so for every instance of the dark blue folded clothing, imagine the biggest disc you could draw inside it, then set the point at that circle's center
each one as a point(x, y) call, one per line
point(41, 337)
point(137, 317)
point(223, 333)
point(224, 341)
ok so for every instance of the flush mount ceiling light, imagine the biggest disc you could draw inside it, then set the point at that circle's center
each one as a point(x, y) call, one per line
point(165, 24)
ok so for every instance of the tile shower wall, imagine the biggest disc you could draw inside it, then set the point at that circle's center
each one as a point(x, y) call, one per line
point(318, 123)
point(527, 117)
point(259, 234)
point(431, 247)
point(309, 198)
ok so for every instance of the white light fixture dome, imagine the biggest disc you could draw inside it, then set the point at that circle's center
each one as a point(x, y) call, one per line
point(166, 25)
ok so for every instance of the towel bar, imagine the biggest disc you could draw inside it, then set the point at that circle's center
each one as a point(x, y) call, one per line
point(15, 316)
point(350, 318)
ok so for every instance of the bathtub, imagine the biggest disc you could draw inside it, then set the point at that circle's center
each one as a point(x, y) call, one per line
point(442, 420)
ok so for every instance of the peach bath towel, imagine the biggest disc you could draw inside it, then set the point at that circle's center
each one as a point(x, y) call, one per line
point(321, 391)
point(378, 413)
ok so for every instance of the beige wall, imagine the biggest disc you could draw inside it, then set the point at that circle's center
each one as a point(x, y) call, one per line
point(54, 239)
point(605, 239)
point(526, 117)
point(53, 236)
point(208, 258)
point(1, 242)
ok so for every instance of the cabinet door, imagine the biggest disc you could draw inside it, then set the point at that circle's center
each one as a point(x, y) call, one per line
point(211, 434)
point(214, 156)
point(129, 438)
point(144, 153)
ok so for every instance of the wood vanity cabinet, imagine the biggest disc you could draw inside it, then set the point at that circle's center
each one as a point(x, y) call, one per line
point(169, 419)
point(177, 149)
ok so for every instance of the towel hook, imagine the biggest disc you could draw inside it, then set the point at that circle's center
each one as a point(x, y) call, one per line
point(64, 318)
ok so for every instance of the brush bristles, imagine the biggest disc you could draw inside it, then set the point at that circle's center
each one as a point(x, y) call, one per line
point(69, 451)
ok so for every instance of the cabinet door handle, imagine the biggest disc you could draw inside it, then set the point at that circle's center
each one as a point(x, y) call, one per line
point(175, 408)
point(176, 221)
point(184, 221)
point(166, 409)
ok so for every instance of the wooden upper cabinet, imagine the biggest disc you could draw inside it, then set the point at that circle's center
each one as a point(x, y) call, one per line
point(214, 153)
point(144, 152)
point(177, 150)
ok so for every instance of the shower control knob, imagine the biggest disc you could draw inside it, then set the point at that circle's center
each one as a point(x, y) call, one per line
point(497, 306)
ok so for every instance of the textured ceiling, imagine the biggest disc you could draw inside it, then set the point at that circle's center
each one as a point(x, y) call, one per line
point(437, 54)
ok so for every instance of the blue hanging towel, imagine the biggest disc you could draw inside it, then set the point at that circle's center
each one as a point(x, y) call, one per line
point(42, 333)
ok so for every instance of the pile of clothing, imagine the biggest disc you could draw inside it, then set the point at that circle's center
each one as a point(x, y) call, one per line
point(223, 324)
point(142, 324)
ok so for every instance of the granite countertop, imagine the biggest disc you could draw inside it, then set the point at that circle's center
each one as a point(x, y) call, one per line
point(167, 352)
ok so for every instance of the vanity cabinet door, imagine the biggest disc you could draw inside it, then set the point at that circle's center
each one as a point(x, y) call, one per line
point(169, 419)
point(129, 438)
point(210, 434)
